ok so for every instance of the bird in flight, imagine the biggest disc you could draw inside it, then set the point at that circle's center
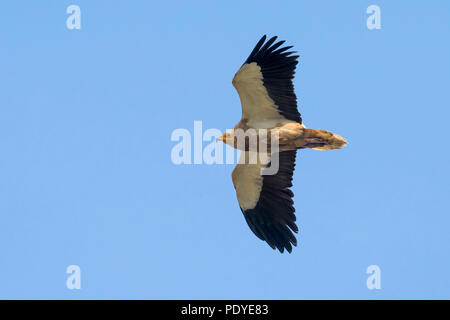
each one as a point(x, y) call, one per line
point(270, 117)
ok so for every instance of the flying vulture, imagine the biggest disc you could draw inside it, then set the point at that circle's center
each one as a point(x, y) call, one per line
point(269, 112)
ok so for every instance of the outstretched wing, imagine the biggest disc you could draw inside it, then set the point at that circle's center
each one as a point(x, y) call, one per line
point(266, 200)
point(264, 84)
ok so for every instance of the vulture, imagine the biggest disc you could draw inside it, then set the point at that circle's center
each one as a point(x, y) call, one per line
point(269, 134)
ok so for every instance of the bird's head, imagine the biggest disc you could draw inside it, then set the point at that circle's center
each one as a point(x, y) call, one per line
point(227, 137)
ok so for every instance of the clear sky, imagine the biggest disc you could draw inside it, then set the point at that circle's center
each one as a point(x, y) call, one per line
point(86, 176)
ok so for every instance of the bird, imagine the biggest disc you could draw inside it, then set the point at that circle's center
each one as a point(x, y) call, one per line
point(264, 83)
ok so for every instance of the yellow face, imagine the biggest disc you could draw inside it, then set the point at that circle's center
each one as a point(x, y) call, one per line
point(226, 138)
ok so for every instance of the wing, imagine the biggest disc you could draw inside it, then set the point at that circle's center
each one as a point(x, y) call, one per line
point(264, 84)
point(266, 200)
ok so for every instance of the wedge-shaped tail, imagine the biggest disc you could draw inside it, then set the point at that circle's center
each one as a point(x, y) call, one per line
point(319, 139)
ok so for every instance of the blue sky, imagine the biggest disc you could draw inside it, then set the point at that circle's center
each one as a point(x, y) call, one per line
point(86, 176)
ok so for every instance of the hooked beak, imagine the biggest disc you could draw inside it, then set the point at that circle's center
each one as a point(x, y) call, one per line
point(221, 138)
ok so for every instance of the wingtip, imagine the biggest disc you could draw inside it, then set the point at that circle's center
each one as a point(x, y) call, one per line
point(271, 39)
point(281, 249)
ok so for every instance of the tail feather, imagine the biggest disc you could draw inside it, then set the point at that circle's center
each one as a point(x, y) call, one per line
point(319, 139)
